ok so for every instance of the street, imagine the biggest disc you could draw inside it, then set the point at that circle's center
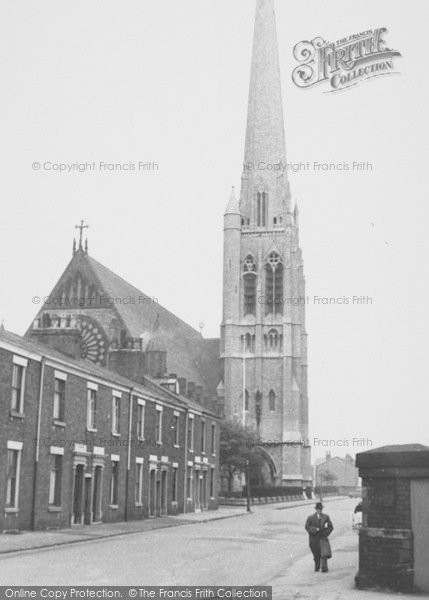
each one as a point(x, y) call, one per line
point(267, 547)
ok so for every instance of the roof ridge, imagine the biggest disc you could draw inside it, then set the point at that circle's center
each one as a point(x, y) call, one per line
point(91, 259)
point(102, 372)
point(159, 306)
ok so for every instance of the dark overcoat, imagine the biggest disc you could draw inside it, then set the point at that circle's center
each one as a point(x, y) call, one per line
point(319, 527)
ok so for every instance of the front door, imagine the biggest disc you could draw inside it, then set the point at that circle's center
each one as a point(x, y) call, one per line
point(152, 492)
point(197, 490)
point(204, 490)
point(79, 477)
point(158, 497)
point(87, 500)
point(164, 492)
point(96, 495)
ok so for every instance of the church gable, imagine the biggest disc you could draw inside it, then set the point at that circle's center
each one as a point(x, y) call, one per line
point(77, 317)
point(94, 314)
point(77, 288)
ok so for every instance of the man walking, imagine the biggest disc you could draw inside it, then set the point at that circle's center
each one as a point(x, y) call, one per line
point(319, 526)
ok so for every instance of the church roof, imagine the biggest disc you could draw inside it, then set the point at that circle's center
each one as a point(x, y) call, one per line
point(146, 313)
point(150, 387)
point(188, 354)
point(185, 346)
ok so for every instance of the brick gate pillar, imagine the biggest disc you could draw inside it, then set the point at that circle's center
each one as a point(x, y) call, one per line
point(391, 540)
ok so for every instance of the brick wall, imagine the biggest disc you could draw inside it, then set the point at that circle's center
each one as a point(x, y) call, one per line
point(386, 546)
point(82, 448)
point(128, 363)
point(387, 503)
point(22, 429)
point(386, 559)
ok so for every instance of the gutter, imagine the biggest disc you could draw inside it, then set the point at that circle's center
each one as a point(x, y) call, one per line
point(185, 495)
point(127, 480)
point(37, 442)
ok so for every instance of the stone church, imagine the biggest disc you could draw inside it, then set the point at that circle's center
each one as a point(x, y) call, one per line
point(264, 340)
point(93, 313)
point(257, 371)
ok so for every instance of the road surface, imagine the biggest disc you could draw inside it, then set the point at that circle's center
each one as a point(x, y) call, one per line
point(267, 547)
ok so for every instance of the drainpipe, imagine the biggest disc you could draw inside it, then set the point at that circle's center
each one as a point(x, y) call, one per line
point(243, 408)
point(185, 496)
point(127, 480)
point(37, 443)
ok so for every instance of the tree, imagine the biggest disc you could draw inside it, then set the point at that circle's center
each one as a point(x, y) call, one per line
point(328, 476)
point(237, 446)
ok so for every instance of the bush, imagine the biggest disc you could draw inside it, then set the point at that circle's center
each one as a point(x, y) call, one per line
point(326, 490)
point(308, 492)
point(226, 494)
point(273, 492)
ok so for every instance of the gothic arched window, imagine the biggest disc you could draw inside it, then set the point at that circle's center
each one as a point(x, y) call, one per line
point(272, 400)
point(274, 284)
point(248, 342)
point(261, 208)
point(258, 408)
point(246, 400)
point(249, 285)
point(272, 340)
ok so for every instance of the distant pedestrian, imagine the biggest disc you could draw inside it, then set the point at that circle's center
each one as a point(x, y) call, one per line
point(319, 526)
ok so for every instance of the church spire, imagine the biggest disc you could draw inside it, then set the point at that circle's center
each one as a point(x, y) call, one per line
point(265, 149)
point(265, 140)
point(233, 206)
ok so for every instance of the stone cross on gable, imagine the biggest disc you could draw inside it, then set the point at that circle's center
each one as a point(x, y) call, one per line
point(81, 227)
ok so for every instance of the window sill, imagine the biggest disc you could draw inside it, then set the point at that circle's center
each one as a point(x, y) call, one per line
point(116, 434)
point(54, 509)
point(16, 414)
point(140, 439)
point(58, 423)
point(176, 446)
point(138, 504)
point(159, 442)
point(91, 430)
point(11, 510)
point(113, 506)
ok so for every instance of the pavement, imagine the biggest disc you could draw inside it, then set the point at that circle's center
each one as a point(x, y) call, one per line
point(299, 582)
point(33, 540)
point(225, 547)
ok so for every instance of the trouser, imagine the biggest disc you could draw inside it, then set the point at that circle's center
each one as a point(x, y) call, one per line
point(315, 548)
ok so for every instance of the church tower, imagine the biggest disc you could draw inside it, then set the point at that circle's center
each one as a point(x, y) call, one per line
point(264, 341)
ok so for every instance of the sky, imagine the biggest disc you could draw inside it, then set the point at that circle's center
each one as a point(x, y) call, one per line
point(166, 82)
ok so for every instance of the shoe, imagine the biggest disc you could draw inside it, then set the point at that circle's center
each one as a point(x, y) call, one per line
point(317, 568)
point(325, 570)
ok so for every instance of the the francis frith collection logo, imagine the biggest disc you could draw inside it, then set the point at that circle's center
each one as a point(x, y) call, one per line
point(343, 63)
